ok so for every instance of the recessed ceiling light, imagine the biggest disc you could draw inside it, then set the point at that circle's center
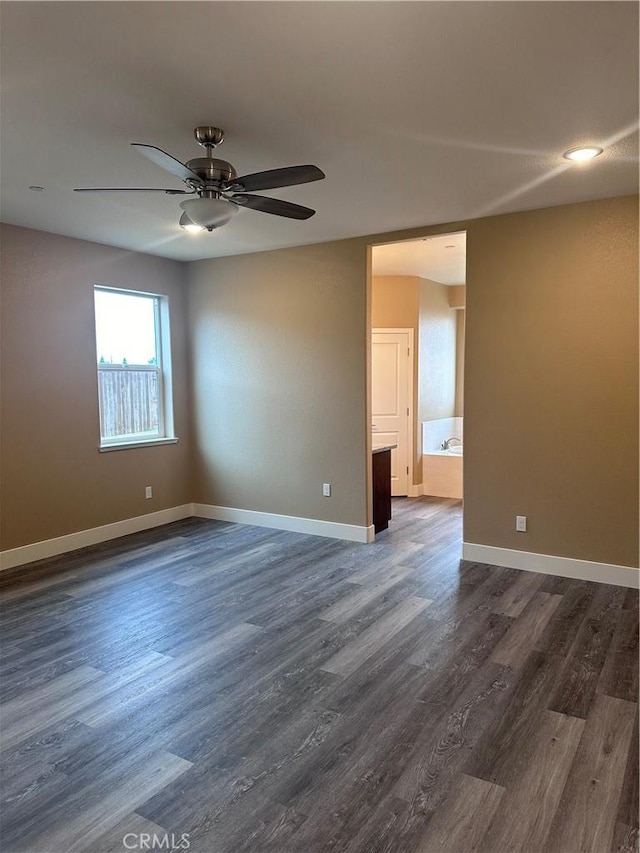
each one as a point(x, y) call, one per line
point(37, 189)
point(588, 152)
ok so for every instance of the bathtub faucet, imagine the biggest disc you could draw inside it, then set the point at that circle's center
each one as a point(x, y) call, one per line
point(445, 444)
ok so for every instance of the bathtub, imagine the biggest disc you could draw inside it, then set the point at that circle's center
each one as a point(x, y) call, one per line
point(442, 472)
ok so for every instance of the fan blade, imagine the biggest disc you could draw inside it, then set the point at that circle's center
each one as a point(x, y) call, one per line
point(132, 190)
point(167, 162)
point(275, 178)
point(273, 205)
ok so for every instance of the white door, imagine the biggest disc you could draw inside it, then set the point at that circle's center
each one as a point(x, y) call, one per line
point(391, 386)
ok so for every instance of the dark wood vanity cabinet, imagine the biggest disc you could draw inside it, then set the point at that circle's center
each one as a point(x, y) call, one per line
point(381, 487)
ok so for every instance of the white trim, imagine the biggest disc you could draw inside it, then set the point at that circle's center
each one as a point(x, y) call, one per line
point(163, 368)
point(565, 567)
point(73, 541)
point(416, 491)
point(313, 526)
point(147, 442)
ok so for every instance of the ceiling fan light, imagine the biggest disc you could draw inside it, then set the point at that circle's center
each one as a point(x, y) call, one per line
point(188, 225)
point(209, 212)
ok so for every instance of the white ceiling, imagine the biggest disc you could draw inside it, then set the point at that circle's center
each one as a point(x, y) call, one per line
point(442, 259)
point(418, 113)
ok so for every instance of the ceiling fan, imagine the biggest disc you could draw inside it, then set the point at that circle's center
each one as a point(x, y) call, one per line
point(219, 192)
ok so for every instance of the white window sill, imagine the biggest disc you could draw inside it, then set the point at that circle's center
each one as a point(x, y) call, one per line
point(127, 445)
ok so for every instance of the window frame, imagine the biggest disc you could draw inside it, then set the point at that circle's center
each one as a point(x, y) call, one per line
point(165, 433)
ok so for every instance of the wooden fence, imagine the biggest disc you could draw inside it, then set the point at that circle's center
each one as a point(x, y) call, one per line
point(129, 402)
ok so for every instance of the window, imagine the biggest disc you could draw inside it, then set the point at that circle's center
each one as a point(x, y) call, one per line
point(134, 375)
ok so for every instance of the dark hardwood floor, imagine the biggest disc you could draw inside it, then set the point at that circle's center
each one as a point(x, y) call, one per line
point(268, 691)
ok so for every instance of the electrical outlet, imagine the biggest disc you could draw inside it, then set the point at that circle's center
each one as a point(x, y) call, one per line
point(326, 490)
point(148, 492)
point(521, 523)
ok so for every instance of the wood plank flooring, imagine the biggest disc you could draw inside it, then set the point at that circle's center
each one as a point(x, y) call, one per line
point(270, 692)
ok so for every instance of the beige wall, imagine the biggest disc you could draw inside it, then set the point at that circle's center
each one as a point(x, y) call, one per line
point(278, 348)
point(457, 295)
point(395, 302)
point(279, 364)
point(551, 381)
point(460, 326)
point(551, 378)
point(437, 370)
point(54, 481)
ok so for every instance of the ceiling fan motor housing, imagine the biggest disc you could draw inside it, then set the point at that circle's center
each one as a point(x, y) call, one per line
point(212, 170)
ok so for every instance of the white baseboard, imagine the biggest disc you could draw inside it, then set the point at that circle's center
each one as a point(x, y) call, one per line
point(416, 491)
point(73, 541)
point(546, 564)
point(567, 567)
point(313, 526)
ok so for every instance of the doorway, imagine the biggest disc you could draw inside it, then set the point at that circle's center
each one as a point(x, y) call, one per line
point(418, 293)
